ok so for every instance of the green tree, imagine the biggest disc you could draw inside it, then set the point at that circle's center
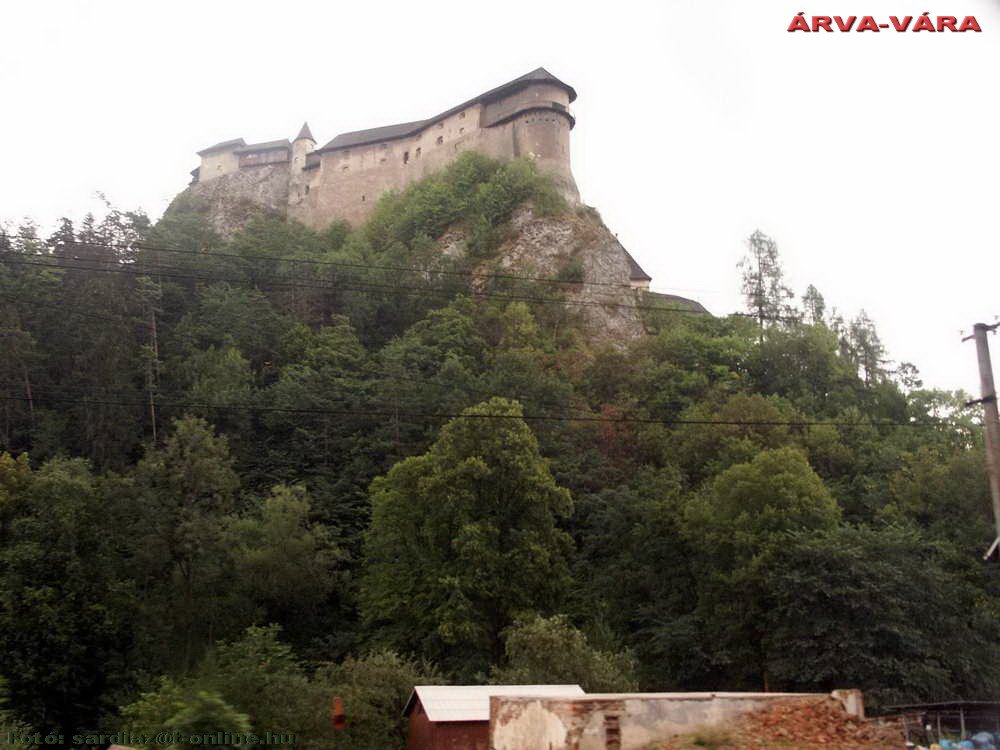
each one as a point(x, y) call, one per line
point(751, 423)
point(635, 575)
point(464, 538)
point(763, 281)
point(813, 305)
point(67, 606)
point(313, 437)
point(173, 708)
point(374, 689)
point(551, 650)
point(284, 562)
point(183, 492)
point(743, 514)
point(878, 609)
point(802, 364)
point(946, 492)
point(10, 725)
point(866, 349)
point(261, 677)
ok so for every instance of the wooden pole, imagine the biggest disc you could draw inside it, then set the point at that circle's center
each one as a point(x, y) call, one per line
point(991, 419)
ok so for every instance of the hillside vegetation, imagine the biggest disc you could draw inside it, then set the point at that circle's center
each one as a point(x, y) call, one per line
point(238, 477)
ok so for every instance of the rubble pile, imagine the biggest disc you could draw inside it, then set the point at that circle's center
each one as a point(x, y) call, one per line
point(797, 725)
point(816, 723)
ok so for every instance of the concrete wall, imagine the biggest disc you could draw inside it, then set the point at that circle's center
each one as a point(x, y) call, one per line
point(628, 721)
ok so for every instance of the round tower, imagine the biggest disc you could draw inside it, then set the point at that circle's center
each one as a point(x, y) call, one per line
point(302, 146)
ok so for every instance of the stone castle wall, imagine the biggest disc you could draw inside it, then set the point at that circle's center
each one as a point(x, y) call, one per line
point(532, 122)
point(349, 181)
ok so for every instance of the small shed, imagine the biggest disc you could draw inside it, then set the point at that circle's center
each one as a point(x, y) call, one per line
point(457, 717)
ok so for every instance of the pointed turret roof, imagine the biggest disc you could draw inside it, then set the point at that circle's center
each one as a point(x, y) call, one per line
point(306, 133)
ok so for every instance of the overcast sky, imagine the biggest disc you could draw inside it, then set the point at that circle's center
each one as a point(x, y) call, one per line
point(872, 159)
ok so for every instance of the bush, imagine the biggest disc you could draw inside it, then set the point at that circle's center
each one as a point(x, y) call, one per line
point(375, 689)
point(551, 650)
point(572, 272)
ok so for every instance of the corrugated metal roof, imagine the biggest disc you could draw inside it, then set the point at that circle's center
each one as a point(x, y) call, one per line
point(472, 702)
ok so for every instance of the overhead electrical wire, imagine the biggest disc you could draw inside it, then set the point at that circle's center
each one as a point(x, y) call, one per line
point(172, 273)
point(166, 271)
point(404, 415)
point(139, 245)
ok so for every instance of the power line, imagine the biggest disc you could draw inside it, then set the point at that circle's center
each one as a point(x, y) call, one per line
point(139, 245)
point(156, 391)
point(393, 414)
point(354, 286)
point(72, 310)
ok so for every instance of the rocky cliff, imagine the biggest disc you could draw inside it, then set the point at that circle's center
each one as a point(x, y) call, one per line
point(572, 247)
point(231, 200)
point(585, 261)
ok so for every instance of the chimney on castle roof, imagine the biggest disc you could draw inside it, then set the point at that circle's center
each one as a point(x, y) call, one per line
point(305, 133)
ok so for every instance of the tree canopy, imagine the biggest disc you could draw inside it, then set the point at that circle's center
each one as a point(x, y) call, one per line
point(240, 476)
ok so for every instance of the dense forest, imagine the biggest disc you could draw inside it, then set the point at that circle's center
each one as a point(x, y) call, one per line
point(240, 476)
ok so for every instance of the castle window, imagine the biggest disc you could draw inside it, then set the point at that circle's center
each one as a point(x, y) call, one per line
point(461, 115)
point(345, 167)
point(406, 157)
point(416, 155)
point(440, 124)
point(440, 140)
point(461, 130)
point(362, 198)
point(307, 190)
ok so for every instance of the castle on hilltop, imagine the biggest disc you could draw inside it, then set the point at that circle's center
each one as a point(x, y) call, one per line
point(528, 117)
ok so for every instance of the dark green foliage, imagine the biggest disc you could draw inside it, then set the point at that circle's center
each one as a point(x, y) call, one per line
point(572, 272)
point(879, 609)
point(183, 709)
point(550, 650)
point(473, 189)
point(229, 436)
point(253, 684)
point(374, 688)
point(464, 538)
point(67, 614)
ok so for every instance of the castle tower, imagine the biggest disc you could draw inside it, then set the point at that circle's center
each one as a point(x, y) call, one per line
point(298, 183)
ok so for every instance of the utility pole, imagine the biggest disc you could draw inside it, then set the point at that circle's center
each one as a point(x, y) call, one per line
point(991, 421)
